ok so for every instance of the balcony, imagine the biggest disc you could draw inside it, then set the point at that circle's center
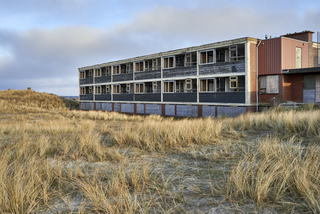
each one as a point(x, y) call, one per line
point(222, 68)
point(180, 72)
point(102, 79)
point(222, 97)
point(86, 97)
point(86, 81)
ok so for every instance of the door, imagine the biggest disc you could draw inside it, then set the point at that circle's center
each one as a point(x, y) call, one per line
point(309, 88)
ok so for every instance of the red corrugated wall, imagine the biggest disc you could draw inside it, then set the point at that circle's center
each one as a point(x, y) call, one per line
point(269, 57)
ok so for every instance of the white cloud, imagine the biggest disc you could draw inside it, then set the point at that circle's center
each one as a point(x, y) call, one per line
point(47, 58)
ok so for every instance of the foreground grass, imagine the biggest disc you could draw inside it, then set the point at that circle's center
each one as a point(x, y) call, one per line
point(56, 160)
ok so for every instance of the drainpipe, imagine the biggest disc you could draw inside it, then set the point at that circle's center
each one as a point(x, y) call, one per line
point(257, 78)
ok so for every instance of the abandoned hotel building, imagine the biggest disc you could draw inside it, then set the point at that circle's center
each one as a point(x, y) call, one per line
point(223, 78)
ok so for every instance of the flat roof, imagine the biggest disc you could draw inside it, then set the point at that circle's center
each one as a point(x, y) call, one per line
point(301, 70)
point(220, 44)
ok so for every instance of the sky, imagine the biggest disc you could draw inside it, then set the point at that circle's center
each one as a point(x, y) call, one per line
point(44, 42)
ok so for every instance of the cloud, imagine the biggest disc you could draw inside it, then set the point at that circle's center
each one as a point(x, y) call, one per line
point(47, 59)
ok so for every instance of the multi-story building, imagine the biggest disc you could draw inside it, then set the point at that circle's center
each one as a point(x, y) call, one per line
point(208, 80)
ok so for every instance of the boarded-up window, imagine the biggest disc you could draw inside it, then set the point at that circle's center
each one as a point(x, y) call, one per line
point(309, 82)
point(269, 84)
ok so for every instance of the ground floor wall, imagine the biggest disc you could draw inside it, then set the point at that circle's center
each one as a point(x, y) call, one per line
point(175, 110)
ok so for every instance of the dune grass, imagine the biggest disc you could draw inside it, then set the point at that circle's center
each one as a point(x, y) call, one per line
point(49, 153)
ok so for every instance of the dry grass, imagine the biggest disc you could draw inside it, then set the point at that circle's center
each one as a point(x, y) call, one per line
point(114, 162)
point(278, 172)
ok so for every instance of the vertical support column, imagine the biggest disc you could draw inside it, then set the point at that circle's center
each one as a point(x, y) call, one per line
point(162, 85)
point(135, 108)
point(93, 87)
point(175, 110)
point(216, 110)
point(111, 85)
point(198, 81)
point(199, 110)
point(163, 110)
point(133, 78)
point(247, 72)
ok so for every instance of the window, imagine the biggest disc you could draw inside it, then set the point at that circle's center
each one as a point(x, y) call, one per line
point(139, 66)
point(207, 85)
point(88, 74)
point(180, 60)
point(82, 90)
point(108, 71)
point(233, 82)
point(154, 87)
point(148, 65)
point(105, 71)
point(129, 67)
point(116, 69)
point(123, 69)
point(82, 75)
point(98, 90)
point(206, 57)
point(128, 88)
point(116, 89)
point(180, 86)
point(221, 55)
point(188, 84)
point(105, 89)
point(236, 52)
point(220, 84)
point(269, 84)
point(97, 72)
point(139, 88)
point(156, 64)
point(298, 57)
point(148, 87)
point(90, 90)
point(168, 87)
point(168, 62)
point(191, 59)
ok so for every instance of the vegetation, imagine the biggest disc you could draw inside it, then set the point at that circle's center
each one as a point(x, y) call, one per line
point(57, 160)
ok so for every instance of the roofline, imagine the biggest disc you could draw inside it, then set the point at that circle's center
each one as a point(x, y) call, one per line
point(175, 52)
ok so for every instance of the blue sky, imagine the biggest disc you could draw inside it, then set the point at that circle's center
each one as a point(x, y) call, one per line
point(44, 42)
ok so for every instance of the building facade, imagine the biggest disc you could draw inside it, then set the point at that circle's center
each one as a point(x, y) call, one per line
point(208, 80)
point(288, 68)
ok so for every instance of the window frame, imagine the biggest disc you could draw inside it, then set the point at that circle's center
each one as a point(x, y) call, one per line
point(138, 63)
point(168, 82)
point(116, 91)
point(207, 85)
point(118, 68)
point(168, 63)
point(138, 86)
point(207, 58)
point(268, 79)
